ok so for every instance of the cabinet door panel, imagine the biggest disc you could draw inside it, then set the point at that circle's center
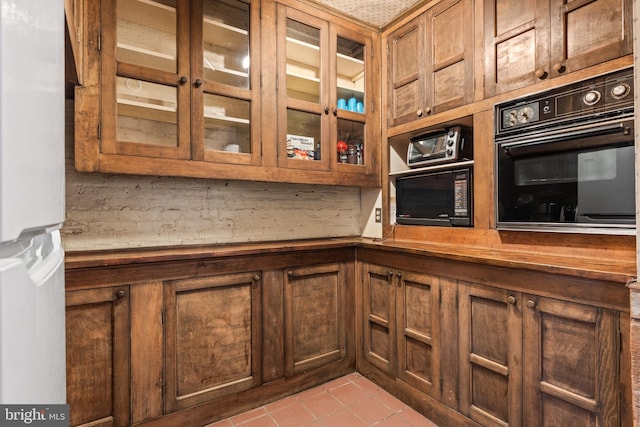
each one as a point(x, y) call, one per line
point(451, 57)
point(97, 322)
point(571, 347)
point(490, 355)
point(315, 313)
point(407, 57)
point(516, 43)
point(418, 311)
point(379, 315)
point(212, 337)
point(588, 33)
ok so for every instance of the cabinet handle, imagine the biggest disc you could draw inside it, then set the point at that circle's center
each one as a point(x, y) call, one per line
point(198, 83)
point(531, 303)
point(511, 299)
point(541, 74)
point(559, 68)
point(120, 293)
point(182, 80)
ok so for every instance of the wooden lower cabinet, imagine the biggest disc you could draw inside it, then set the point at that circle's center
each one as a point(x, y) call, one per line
point(537, 361)
point(401, 330)
point(316, 316)
point(97, 341)
point(474, 345)
point(212, 337)
point(195, 341)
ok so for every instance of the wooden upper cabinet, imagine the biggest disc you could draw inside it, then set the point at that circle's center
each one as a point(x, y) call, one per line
point(206, 88)
point(325, 94)
point(526, 42)
point(430, 66)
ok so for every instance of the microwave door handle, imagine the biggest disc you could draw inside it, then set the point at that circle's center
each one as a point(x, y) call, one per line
point(586, 137)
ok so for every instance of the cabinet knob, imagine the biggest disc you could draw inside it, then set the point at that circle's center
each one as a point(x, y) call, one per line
point(399, 274)
point(290, 273)
point(120, 293)
point(256, 277)
point(559, 68)
point(511, 299)
point(390, 274)
point(531, 303)
point(541, 74)
point(335, 112)
point(182, 80)
point(419, 112)
point(326, 110)
point(427, 110)
point(198, 83)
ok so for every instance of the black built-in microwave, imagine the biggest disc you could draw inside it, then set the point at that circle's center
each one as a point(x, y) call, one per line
point(443, 198)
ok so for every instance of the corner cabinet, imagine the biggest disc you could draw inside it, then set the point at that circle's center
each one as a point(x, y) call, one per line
point(526, 42)
point(430, 67)
point(181, 88)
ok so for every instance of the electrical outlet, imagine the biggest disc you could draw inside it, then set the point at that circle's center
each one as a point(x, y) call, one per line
point(378, 215)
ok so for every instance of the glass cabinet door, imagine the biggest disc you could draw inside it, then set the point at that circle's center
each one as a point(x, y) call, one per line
point(352, 89)
point(305, 101)
point(222, 80)
point(145, 86)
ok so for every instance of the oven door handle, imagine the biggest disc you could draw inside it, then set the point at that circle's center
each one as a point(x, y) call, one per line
point(608, 134)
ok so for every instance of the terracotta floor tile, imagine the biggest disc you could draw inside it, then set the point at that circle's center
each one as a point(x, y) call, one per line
point(343, 418)
point(322, 404)
point(295, 415)
point(349, 401)
point(370, 410)
point(263, 421)
point(348, 394)
point(248, 415)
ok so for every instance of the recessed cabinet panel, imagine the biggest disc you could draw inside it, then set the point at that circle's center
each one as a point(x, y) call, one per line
point(490, 355)
point(212, 337)
point(147, 33)
point(97, 343)
point(379, 316)
point(316, 317)
point(575, 343)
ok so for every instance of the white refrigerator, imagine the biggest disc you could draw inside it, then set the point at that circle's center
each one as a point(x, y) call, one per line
point(32, 329)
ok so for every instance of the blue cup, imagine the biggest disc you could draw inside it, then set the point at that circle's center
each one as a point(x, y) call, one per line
point(342, 104)
point(360, 107)
point(352, 104)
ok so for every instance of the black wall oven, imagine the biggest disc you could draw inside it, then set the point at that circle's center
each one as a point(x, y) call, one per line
point(565, 159)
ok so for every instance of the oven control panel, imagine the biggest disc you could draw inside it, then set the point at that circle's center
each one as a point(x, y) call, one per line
point(609, 95)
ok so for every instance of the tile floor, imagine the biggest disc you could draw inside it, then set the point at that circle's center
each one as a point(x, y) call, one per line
point(349, 401)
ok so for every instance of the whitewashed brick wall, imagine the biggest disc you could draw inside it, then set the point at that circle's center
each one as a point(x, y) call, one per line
point(127, 211)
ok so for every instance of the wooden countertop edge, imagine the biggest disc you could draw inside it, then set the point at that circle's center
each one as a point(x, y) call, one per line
point(619, 272)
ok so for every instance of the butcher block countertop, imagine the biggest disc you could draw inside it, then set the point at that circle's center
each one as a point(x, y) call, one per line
point(604, 268)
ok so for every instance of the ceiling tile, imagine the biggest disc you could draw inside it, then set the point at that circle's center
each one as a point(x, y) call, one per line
point(375, 12)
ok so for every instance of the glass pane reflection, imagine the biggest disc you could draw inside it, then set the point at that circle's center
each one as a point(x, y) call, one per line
point(146, 112)
point(146, 33)
point(303, 61)
point(227, 124)
point(226, 42)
